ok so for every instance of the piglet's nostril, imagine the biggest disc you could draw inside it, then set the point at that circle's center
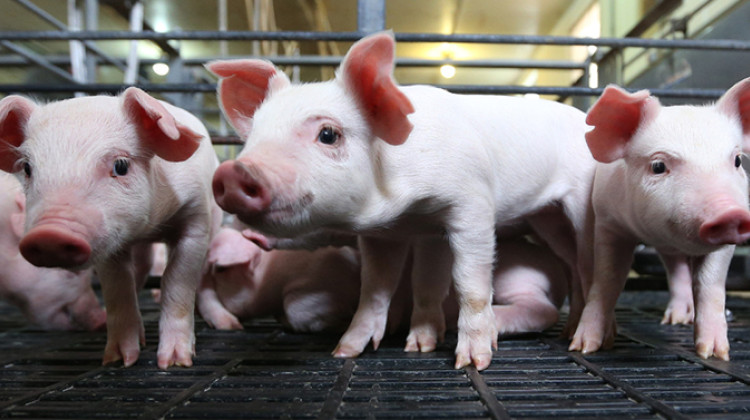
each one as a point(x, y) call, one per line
point(252, 190)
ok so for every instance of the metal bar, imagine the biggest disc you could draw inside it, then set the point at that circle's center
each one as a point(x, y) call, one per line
point(716, 44)
point(136, 26)
point(708, 94)
point(77, 50)
point(370, 15)
point(57, 386)
point(336, 395)
point(40, 61)
point(41, 13)
point(92, 24)
point(313, 60)
point(123, 9)
point(56, 23)
point(632, 392)
point(496, 410)
point(736, 372)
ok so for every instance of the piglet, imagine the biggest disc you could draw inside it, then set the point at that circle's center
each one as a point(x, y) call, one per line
point(54, 299)
point(677, 174)
point(404, 167)
point(104, 177)
point(311, 291)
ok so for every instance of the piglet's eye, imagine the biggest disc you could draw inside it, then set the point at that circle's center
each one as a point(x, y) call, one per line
point(27, 169)
point(328, 135)
point(120, 167)
point(658, 167)
point(737, 161)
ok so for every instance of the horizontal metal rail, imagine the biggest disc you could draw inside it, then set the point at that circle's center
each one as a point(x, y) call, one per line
point(717, 44)
point(708, 94)
point(314, 60)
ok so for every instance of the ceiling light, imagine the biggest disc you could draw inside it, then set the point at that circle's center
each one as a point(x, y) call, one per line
point(161, 69)
point(447, 71)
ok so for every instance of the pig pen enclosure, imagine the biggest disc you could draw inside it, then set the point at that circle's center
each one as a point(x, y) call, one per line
point(267, 371)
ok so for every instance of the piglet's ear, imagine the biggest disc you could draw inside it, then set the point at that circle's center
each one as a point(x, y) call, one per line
point(243, 86)
point(367, 71)
point(157, 128)
point(15, 112)
point(736, 103)
point(616, 116)
point(230, 248)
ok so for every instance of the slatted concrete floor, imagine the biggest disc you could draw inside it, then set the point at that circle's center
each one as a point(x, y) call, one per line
point(266, 372)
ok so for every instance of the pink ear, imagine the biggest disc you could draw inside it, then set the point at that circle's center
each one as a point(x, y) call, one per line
point(14, 114)
point(616, 116)
point(243, 85)
point(157, 128)
point(736, 103)
point(367, 71)
point(229, 248)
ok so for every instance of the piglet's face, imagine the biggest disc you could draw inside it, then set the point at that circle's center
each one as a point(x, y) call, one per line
point(683, 165)
point(86, 169)
point(312, 152)
point(695, 185)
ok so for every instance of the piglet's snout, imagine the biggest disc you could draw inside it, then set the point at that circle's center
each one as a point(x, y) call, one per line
point(732, 226)
point(238, 191)
point(54, 246)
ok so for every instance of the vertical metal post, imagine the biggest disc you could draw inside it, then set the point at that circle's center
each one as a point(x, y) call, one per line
point(223, 52)
point(222, 12)
point(256, 27)
point(136, 25)
point(92, 24)
point(77, 52)
point(370, 15)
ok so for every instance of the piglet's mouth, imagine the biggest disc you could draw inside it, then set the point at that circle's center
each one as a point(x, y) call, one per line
point(280, 215)
point(280, 210)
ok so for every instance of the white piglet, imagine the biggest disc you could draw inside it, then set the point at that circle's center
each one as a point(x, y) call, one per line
point(677, 178)
point(104, 177)
point(52, 298)
point(401, 167)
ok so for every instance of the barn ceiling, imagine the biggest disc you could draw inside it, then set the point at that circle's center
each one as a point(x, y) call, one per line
point(540, 17)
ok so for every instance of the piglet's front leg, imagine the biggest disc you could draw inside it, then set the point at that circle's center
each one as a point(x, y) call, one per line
point(382, 265)
point(709, 279)
point(613, 258)
point(680, 309)
point(125, 333)
point(179, 284)
point(431, 280)
point(472, 241)
point(211, 308)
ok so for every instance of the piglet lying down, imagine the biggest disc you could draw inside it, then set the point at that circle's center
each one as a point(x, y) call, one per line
point(312, 291)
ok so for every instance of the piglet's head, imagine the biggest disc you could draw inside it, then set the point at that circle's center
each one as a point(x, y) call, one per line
point(690, 155)
point(306, 144)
